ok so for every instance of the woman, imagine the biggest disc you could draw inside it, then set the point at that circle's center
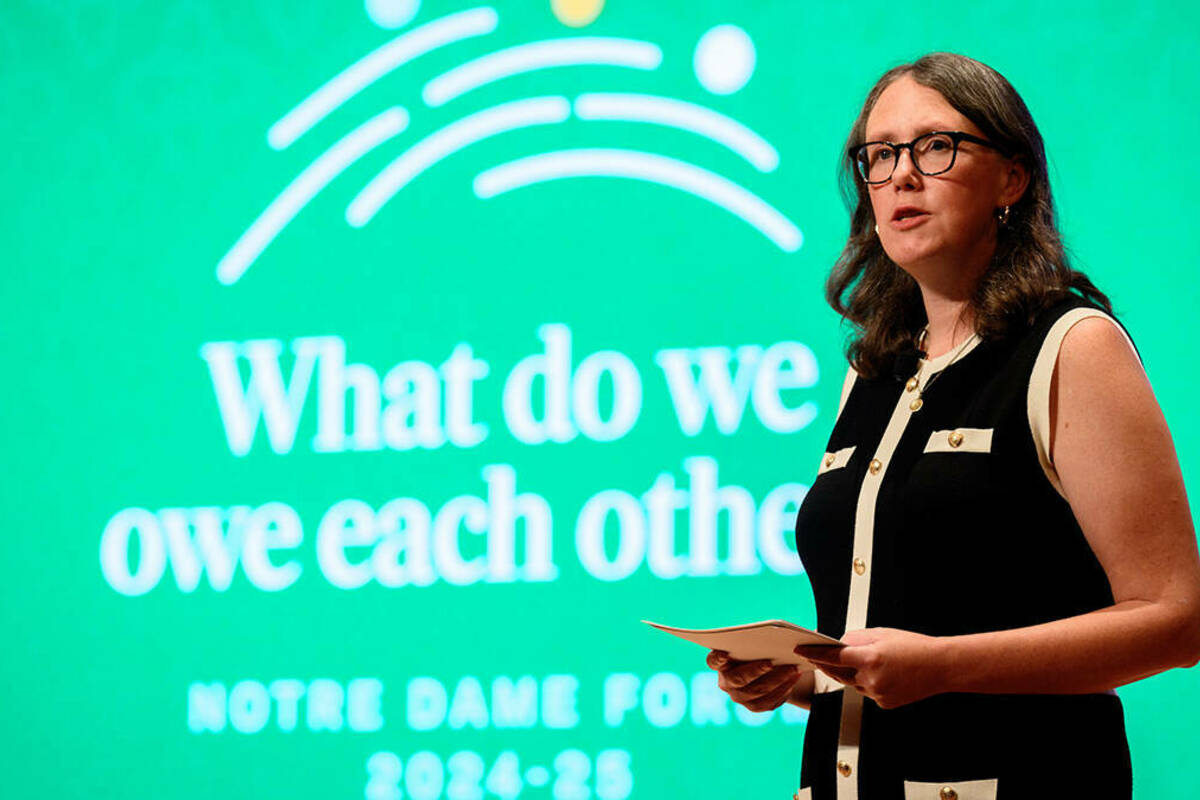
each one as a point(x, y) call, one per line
point(998, 532)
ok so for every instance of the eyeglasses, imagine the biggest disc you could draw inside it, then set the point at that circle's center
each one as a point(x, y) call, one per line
point(932, 154)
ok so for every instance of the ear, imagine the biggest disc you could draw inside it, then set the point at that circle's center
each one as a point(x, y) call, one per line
point(1016, 181)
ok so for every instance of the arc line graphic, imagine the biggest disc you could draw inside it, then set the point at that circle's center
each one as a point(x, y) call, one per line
point(373, 66)
point(572, 51)
point(448, 140)
point(650, 167)
point(315, 177)
point(680, 114)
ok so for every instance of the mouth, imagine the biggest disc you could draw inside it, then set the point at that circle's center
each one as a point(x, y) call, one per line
point(908, 212)
point(907, 217)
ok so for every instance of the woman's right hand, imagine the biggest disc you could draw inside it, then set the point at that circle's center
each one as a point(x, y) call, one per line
point(757, 685)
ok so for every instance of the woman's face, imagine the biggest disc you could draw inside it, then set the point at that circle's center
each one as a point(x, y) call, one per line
point(955, 231)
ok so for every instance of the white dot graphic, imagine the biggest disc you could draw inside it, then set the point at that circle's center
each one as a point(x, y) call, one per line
point(537, 776)
point(724, 59)
point(392, 13)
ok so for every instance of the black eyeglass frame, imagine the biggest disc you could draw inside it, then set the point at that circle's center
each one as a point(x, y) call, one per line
point(955, 136)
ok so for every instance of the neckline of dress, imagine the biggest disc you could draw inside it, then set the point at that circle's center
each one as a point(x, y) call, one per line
point(954, 354)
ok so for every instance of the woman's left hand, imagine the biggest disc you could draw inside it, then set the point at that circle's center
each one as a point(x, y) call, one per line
point(892, 667)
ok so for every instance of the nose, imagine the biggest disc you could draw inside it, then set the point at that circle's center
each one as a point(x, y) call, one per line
point(905, 173)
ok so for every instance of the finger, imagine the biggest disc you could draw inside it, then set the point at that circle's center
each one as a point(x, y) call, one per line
point(820, 654)
point(732, 689)
point(761, 689)
point(839, 672)
point(773, 699)
point(717, 659)
point(768, 682)
point(844, 676)
point(746, 672)
point(762, 686)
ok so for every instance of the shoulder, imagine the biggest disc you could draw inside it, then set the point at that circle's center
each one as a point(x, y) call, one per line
point(1098, 379)
point(1064, 313)
point(1082, 359)
point(1103, 413)
point(1084, 346)
point(1095, 346)
point(1079, 332)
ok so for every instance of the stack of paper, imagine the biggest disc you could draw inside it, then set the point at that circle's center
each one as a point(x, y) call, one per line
point(773, 639)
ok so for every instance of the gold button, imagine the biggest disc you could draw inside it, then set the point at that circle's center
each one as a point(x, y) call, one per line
point(860, 566)
point(829, 460)
point(956, 438)
point(916, 404)
point(911, 386)
point(875, 465)
point(948, 793)
point(844, 768)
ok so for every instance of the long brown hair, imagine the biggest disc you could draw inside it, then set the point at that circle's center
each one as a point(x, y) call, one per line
point(1029, 269)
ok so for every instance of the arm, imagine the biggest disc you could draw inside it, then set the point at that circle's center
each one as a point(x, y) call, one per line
point(1113, 454)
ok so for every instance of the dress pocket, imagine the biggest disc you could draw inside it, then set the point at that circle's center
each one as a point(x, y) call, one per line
point(960, 440)
point(956, 790)
point(835, 460)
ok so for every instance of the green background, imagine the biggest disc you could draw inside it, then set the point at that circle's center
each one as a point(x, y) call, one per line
point(136, 155)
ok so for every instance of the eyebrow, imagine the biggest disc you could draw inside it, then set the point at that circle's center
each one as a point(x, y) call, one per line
point(888, 136)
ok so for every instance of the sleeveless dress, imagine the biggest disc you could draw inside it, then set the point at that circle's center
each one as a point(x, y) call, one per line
point(945, 517)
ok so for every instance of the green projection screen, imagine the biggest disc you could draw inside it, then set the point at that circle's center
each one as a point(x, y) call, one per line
point(375, 368)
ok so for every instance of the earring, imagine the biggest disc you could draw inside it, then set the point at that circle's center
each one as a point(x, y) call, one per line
point(1004, 216)
point(876, 230)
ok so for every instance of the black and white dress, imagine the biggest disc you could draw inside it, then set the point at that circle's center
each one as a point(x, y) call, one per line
point(943, 515)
